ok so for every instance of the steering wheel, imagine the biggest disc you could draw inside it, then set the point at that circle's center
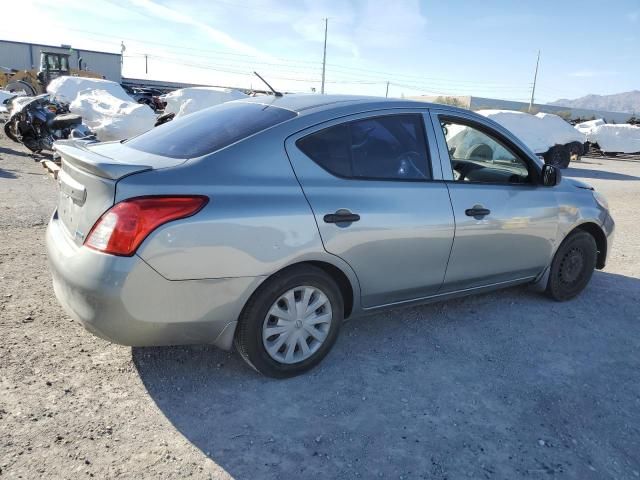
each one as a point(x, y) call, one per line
point(407, 167)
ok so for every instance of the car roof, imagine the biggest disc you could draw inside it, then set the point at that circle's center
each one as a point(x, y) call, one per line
point(308, 103)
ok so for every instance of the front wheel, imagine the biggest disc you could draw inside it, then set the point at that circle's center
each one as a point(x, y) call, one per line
point(572, 266)
point(10, 128)
point(291, 322)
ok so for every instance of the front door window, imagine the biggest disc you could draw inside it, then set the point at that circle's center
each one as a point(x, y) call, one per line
point(479, 157)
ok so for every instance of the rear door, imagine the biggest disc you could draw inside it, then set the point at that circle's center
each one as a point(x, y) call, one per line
point(378, 200)
point(506, 220)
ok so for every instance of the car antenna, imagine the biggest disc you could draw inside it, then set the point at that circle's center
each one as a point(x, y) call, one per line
point(277, 94)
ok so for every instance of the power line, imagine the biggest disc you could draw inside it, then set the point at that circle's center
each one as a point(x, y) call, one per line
point(342, 74)
point(230, 69)
point(184, 47)
point(379, 74)
point(286, 72)
point(234, 69)
point(226, 67)
point(241, 62)
point(346, 76)
point(419, 77)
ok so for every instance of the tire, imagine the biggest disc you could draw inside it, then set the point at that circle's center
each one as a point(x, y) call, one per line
point(572, 266)
point(257, 316)
point(576, 150)
point(481, 152)
point(8, 131)
point(557, 156)
point(21, 86)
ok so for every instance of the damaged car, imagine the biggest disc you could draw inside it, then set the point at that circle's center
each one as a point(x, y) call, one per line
point(264, 223)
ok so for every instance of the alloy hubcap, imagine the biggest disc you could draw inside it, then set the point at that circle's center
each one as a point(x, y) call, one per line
point(297, 324)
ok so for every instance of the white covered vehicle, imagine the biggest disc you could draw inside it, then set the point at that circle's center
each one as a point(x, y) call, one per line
point(612, 138)
point(190, 100)
point(586, 127)
point(547, 135)
point(104, 106)
point(4, 95)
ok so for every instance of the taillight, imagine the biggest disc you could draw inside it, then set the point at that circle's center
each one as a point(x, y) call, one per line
point(122, 228)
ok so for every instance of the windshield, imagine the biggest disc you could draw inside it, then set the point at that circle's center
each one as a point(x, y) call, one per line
point(209, 130)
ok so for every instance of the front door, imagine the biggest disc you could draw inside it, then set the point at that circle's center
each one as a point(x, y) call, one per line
point(370, 182)
point(506, 221)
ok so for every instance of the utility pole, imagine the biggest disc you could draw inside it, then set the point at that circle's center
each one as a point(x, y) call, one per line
point(387, 92)
point(146, 64)
point(535, 78)
point(123, 49)
point(324, 56)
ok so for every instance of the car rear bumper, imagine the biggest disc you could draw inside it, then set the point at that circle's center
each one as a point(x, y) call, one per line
point(124, 300)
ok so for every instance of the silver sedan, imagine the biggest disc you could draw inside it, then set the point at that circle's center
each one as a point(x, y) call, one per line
point(265, 223)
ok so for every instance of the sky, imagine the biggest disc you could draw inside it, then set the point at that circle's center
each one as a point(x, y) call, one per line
point(421, 47)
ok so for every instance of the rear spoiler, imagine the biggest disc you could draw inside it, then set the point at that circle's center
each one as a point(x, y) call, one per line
point(77, 154)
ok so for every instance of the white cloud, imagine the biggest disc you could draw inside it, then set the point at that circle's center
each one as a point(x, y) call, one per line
point(224, 41)
point(354, 25)
point(362, 24)
point(168, 14)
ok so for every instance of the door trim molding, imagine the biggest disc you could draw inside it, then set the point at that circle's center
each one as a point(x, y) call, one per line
point(457, 293)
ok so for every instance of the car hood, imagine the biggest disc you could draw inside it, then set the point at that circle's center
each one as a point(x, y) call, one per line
point(579, 184)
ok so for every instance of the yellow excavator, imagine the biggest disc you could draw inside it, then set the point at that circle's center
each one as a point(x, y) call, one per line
point(34, 82)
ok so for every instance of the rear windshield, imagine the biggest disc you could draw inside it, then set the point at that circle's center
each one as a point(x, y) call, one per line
point(209, 130)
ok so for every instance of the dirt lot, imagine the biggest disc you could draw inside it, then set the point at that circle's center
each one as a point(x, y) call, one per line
point(505, 385)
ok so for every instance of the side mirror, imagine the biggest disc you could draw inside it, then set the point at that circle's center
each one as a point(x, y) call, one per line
point(550, 175)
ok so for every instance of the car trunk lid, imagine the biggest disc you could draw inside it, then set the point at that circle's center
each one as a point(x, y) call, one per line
point(88, 177)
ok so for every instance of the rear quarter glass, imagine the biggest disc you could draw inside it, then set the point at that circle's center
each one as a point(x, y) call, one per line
point(209, 130)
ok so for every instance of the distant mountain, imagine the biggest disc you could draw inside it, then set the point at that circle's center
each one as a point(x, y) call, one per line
point(628, 102)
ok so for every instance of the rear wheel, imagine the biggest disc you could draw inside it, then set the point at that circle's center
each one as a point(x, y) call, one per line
point(291, 322)
point(572, 266)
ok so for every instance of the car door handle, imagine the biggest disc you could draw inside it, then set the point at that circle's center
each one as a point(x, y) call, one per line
point(477, 211)
point(341, 216)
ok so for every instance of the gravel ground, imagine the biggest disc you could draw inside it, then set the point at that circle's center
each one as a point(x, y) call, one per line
point(504, 385)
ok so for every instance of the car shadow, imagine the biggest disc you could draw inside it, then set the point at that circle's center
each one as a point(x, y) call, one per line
point(7, 174)
point(442, 390)
point(596, 174)
point(17, 153)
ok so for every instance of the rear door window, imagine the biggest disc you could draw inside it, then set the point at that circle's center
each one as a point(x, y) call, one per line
point(209, 130)
point(391, 147)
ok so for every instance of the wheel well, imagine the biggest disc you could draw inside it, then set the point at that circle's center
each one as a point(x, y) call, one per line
point(341, 280)
point(339, 277)
point(335, 273)
point(601, 241)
